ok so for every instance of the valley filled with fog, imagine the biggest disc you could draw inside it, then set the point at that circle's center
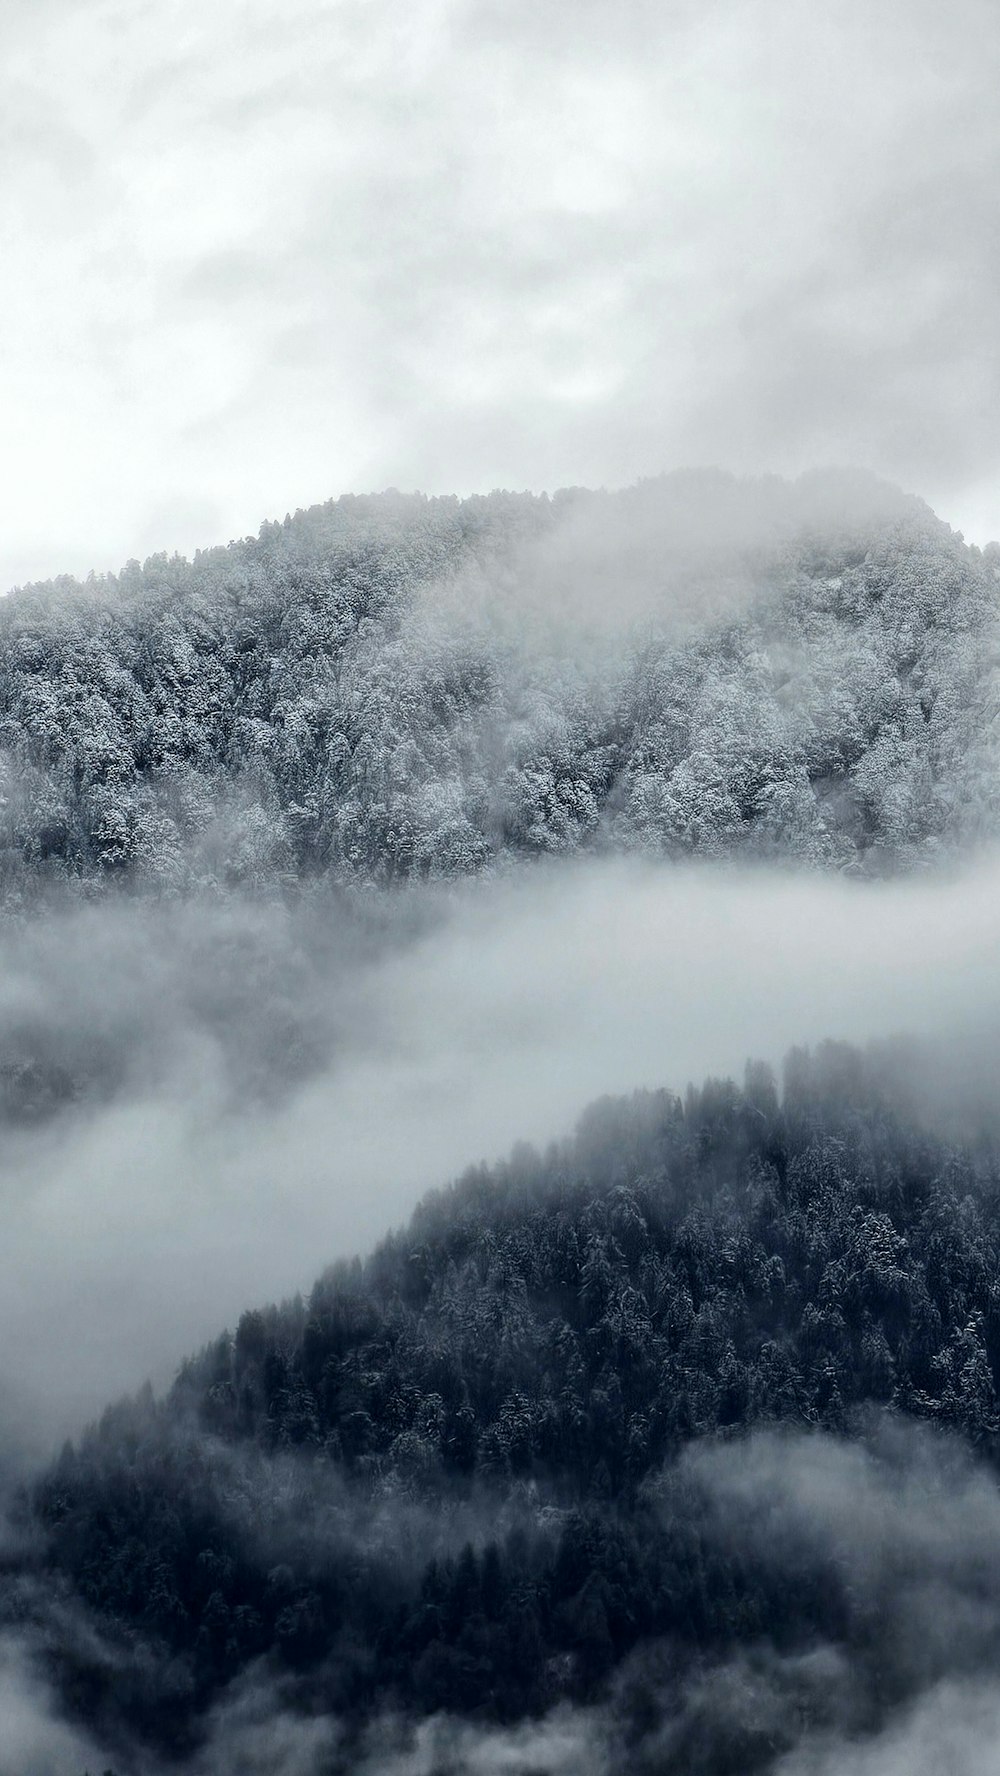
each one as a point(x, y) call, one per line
point(145, 1213)
point(552, 949)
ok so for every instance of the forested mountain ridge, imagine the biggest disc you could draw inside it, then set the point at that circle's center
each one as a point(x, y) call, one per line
point(679, 1440)
point(476, 1473)
point(394, 687)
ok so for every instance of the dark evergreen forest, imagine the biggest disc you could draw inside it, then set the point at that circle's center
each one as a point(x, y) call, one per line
point(496, 1466)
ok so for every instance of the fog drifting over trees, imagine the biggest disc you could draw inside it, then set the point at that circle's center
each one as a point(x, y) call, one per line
point(387, 689)
point(335, 862)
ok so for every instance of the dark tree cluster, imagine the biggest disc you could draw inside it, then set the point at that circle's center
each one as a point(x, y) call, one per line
point(453, 1479)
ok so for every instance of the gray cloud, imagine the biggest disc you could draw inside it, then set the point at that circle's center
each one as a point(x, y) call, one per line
point(954, 1728)
point(35, 1741)
point(909, 1525)
point(455, 247)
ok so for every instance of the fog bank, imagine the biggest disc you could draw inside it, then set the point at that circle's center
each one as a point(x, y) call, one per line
point(140, 1219)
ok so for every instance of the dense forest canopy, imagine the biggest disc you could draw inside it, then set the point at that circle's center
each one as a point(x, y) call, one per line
point(394, 687)
point(599, 1429)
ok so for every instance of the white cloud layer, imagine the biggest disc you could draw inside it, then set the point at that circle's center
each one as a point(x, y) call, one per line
point(258, 254)
point(135, 1230)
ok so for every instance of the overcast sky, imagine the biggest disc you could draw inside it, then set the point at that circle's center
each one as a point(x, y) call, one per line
point(257, 252)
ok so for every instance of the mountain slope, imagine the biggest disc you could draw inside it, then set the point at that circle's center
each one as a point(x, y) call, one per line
point(488, 1470)
point(395, 687)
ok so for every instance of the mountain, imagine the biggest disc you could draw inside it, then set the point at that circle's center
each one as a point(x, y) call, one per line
point(684, 1434)
point(391, 688)
point(673, 1447)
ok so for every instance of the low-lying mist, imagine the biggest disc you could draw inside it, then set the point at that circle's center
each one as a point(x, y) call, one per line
point(246, 1094)
point(902, 1522)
